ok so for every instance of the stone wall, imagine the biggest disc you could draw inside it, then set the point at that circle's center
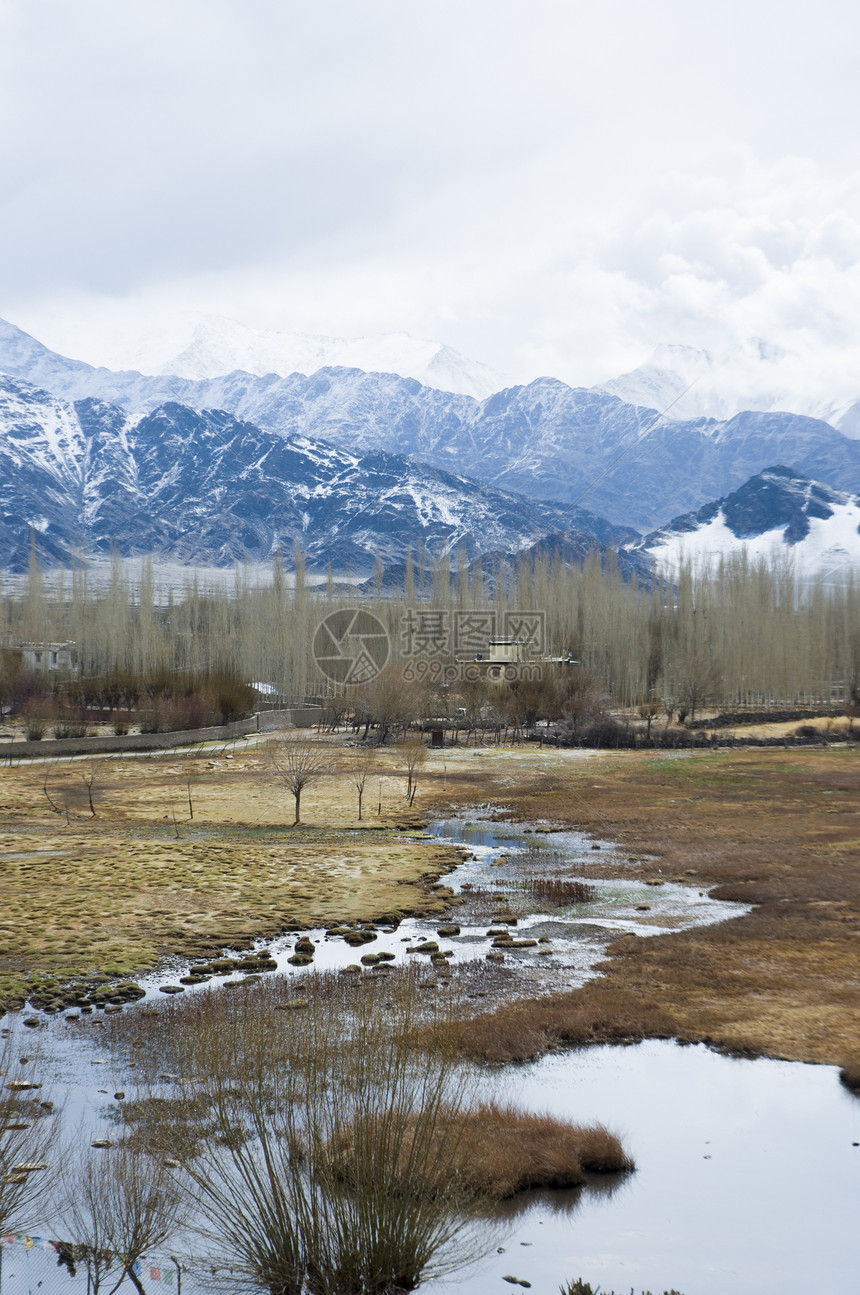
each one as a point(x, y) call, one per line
point(264, 722)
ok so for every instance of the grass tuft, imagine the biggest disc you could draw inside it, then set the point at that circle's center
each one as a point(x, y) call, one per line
point(499, 1151)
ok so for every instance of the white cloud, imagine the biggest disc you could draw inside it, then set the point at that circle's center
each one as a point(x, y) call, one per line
point(552, 187)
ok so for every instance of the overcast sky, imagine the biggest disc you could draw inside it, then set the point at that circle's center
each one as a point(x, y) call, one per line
point(551, 186)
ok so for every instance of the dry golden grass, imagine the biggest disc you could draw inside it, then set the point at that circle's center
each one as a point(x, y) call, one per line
point(499, 1151)
point(506, 1151)
point(144, 880)
point(525, 1029)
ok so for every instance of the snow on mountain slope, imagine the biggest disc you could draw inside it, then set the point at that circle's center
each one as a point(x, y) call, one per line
point(211, 346)
point(690, 383)
point(210, 489)
point(778, 514)
point(545, 440)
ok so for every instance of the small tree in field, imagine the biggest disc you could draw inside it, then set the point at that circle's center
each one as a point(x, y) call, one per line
point(361, 772)
point(414, 755)
point(649, 710)
point(296, 764)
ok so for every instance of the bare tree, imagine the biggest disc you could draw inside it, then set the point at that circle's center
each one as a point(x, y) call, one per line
point(191, 776)
point(649, 710)
point(89, 777)
point(119, 1204)
point(57, 809)
point(697, 681)
point(360, 772)
point(296, 763)
point(390, 702)
point(583, 700)
point(414, 755)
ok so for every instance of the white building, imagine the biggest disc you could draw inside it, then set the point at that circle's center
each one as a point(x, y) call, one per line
point(46, 657)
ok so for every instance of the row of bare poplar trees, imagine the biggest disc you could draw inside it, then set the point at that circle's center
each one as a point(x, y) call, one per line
point(745, 633)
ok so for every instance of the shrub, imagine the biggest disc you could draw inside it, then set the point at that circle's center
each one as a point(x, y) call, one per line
point(276, 1091)
point(71, 722)
point(229, 698)
point(29, 1134)
point(37, 717)
point(172, 715)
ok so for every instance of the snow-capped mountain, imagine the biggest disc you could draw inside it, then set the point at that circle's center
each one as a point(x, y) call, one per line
point(209, 346)
point(209, 489)
point(690, 383)
point(545, 440)
point(778, 513)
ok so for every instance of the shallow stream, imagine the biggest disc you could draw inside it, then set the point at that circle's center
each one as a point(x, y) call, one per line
point(506, 860)
point(748, 1175)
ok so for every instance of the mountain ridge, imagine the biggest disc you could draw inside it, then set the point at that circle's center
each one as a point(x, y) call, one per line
point(209, 488)
point(694, 383)
point(545, 440)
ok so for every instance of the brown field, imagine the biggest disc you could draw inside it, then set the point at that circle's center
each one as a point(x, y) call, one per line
point(143, 880)
point(776, 829)
point(779, 830)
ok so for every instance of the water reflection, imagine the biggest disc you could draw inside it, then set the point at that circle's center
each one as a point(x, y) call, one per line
point(747, 1178)
point(564, 1201)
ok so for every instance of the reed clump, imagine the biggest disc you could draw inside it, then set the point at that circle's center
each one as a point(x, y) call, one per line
point(558, 892)
point(498, 1151)
point(268, 1093)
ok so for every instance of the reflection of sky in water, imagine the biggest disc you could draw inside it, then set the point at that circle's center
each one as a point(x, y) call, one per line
point(747, 1179)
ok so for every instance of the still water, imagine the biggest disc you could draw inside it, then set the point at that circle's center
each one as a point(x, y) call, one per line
point(747, 1179)
point(748, 1175)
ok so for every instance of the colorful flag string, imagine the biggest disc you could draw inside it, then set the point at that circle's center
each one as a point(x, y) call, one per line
point(163, 1273)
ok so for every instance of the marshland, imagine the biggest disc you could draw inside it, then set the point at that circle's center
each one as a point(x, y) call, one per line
point(466, 1013)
